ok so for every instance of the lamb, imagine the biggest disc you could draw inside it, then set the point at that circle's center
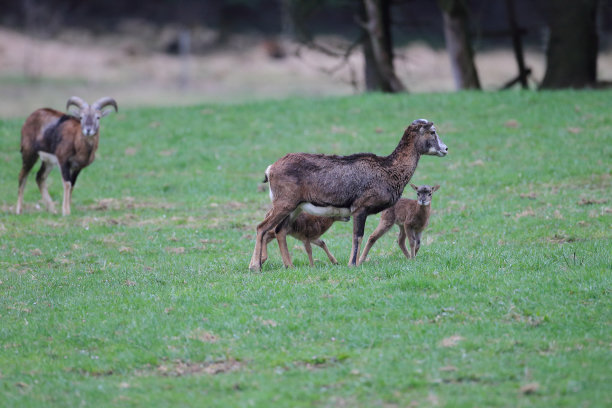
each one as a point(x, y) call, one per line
point(357, 185)
point(69, 141)
point(412, 216)
point(307, 228)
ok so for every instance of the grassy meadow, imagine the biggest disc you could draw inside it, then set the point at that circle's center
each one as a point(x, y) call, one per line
point(143, 297)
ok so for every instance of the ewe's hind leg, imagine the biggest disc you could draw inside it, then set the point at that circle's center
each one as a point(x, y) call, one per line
point(273, 218)
point(41, 180)
point(401, 240)
point(321, 244)
point(384, 226)
point(28, 162)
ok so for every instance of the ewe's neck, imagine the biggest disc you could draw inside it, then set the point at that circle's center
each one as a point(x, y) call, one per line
point(405, 158)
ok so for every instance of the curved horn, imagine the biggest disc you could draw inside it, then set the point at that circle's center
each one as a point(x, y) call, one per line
point(103, 102)
point(420, 122)
point(76, 101)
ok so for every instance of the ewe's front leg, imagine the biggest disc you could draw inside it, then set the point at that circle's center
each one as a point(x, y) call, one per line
point(359, 220)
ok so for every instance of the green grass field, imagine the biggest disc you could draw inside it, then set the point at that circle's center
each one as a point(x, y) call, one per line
point(143, 296)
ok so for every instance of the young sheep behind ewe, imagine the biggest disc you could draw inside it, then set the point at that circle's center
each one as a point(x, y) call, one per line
point(305, 227)
point(357, 185)
point(412, 216)
point(69, 141)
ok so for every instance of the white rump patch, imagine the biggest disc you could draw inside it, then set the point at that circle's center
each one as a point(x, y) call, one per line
point(328, 211)
point(267, 172)
point(48, 158)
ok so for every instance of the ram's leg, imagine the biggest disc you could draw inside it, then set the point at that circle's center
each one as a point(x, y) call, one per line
point(66, 177)
point(41, 180)
point(28, 162)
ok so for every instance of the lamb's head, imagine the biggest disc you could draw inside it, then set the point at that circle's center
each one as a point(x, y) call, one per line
point(428, 142)
point(90, 115)
point(424, 193)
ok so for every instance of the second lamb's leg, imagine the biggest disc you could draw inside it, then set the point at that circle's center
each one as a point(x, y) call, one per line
point(401, 240)
point(418, 242)
point(308, 249)
point(412, 238)
point(320, 243)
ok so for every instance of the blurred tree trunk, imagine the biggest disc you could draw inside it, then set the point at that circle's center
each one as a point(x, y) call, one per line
point(458, 44)
point(571, 55)
point(378, 47)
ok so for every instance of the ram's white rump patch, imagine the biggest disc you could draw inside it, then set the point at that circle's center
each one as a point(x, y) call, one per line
point(48, 158)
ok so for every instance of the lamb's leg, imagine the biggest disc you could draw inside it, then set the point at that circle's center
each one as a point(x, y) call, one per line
point(412, 238)
point(308, 249)
point(382, 228)
point(320, 243)
point(401, 240)
point(273, 218)
point(418, 242)
point(41, 180)
point(268, 237)
point(281, 238)
point(359, 220)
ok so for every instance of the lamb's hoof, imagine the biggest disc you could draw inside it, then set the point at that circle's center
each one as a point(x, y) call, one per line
point(255, 268)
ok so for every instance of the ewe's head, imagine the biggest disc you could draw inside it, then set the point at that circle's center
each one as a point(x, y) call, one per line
point(428, 141)
point(90, 115)
point(424, 193)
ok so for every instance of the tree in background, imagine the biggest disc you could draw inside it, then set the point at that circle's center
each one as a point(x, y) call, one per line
point(571, 54)
point(457, 35)
point(378, 47)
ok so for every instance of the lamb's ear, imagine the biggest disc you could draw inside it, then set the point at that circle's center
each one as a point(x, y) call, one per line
point(415, 188)
point(435, 188)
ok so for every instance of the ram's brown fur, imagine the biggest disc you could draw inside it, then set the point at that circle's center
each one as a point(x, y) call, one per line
point(58, 138)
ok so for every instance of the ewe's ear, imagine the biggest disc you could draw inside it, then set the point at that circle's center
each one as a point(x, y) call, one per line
point(435, 188)
point(415, 188)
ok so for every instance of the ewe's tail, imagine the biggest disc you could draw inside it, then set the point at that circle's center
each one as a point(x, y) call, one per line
point(267, 174)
